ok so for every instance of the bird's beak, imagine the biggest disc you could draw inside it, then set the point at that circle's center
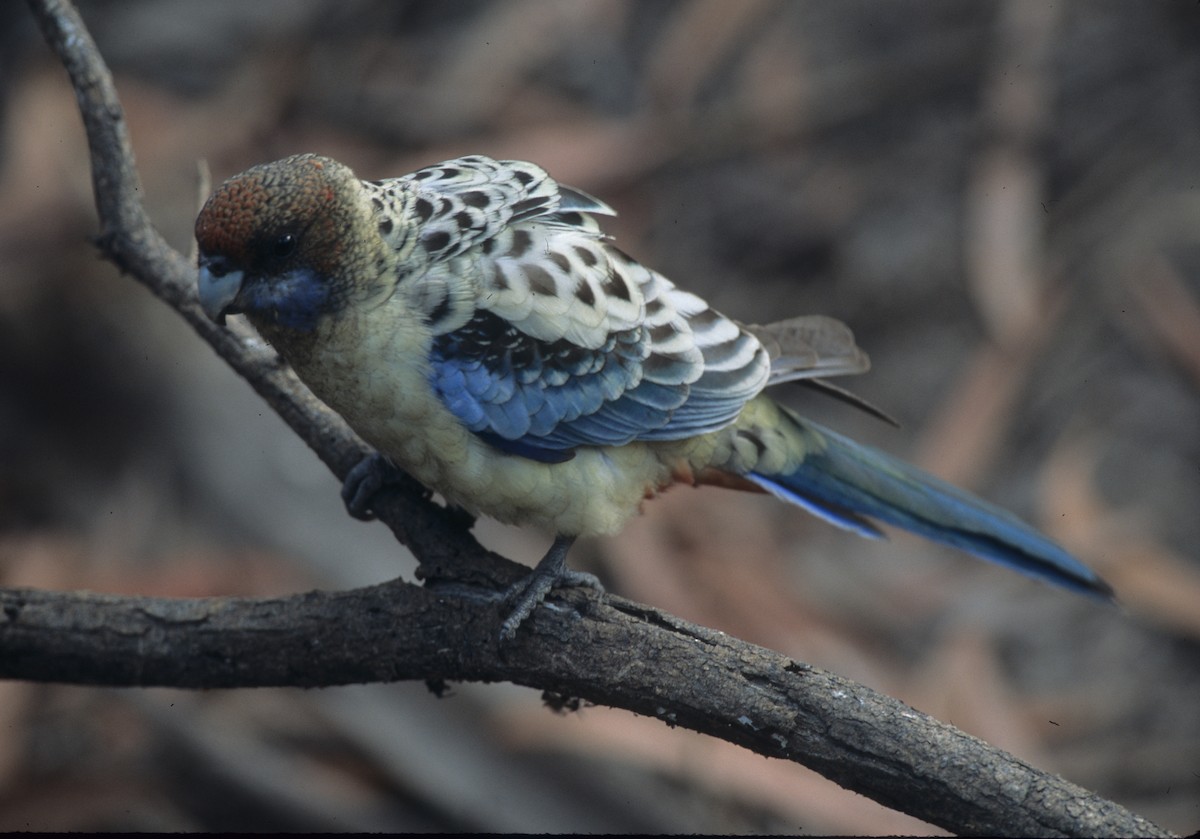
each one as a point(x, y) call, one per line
point(218, 289)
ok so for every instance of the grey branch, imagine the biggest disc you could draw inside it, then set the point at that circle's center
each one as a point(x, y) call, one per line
point(621, 654)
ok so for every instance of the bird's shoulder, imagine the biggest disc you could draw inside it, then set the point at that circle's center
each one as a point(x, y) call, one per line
point(460, 204)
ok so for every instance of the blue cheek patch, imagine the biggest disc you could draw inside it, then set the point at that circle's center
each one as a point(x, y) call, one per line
point(294, 300)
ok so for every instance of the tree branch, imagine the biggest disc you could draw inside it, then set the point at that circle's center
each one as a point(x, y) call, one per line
point(601, 648)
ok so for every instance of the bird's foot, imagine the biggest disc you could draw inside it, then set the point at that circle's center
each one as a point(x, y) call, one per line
point(525, 594)
point(368, 476)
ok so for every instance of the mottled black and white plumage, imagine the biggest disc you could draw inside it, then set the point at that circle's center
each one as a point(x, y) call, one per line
point(561, 340)
point(472, 322)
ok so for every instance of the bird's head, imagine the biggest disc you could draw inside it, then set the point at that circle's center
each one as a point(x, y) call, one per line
point(283, 242)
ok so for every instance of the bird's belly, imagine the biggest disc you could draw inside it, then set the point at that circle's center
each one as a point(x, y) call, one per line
point(593, 493)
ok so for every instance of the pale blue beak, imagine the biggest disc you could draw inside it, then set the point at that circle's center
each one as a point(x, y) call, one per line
point(217, 290)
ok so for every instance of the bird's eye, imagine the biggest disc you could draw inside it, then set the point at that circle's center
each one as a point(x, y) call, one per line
point(283, 246)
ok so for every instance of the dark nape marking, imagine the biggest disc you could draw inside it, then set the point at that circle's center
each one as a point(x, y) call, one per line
point(584, 293)
point(540, 281)
point(616, 285)
point(586, 255)
point(423, 207)
point(436, 241)
point(521, 242)
point(479, 200)
point(439, 311)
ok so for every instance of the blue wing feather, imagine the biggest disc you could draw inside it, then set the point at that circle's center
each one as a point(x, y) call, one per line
point(526, 449)
point(598, 397)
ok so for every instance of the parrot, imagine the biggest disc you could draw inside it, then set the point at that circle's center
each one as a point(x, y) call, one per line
point(476, 327)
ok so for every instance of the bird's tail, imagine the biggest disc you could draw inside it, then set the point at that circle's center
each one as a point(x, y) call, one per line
point(850, 484)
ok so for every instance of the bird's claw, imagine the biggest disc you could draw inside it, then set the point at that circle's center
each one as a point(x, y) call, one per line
point(523, 596)
point(526, 594)
point(368, 476)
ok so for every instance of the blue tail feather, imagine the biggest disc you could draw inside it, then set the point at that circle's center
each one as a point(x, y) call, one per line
point(847, 483)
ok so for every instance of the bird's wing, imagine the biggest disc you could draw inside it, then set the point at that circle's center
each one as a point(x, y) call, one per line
point(573, 343)
point(809, 347)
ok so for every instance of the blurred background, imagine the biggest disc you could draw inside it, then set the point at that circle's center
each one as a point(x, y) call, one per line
point(1001, 198)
